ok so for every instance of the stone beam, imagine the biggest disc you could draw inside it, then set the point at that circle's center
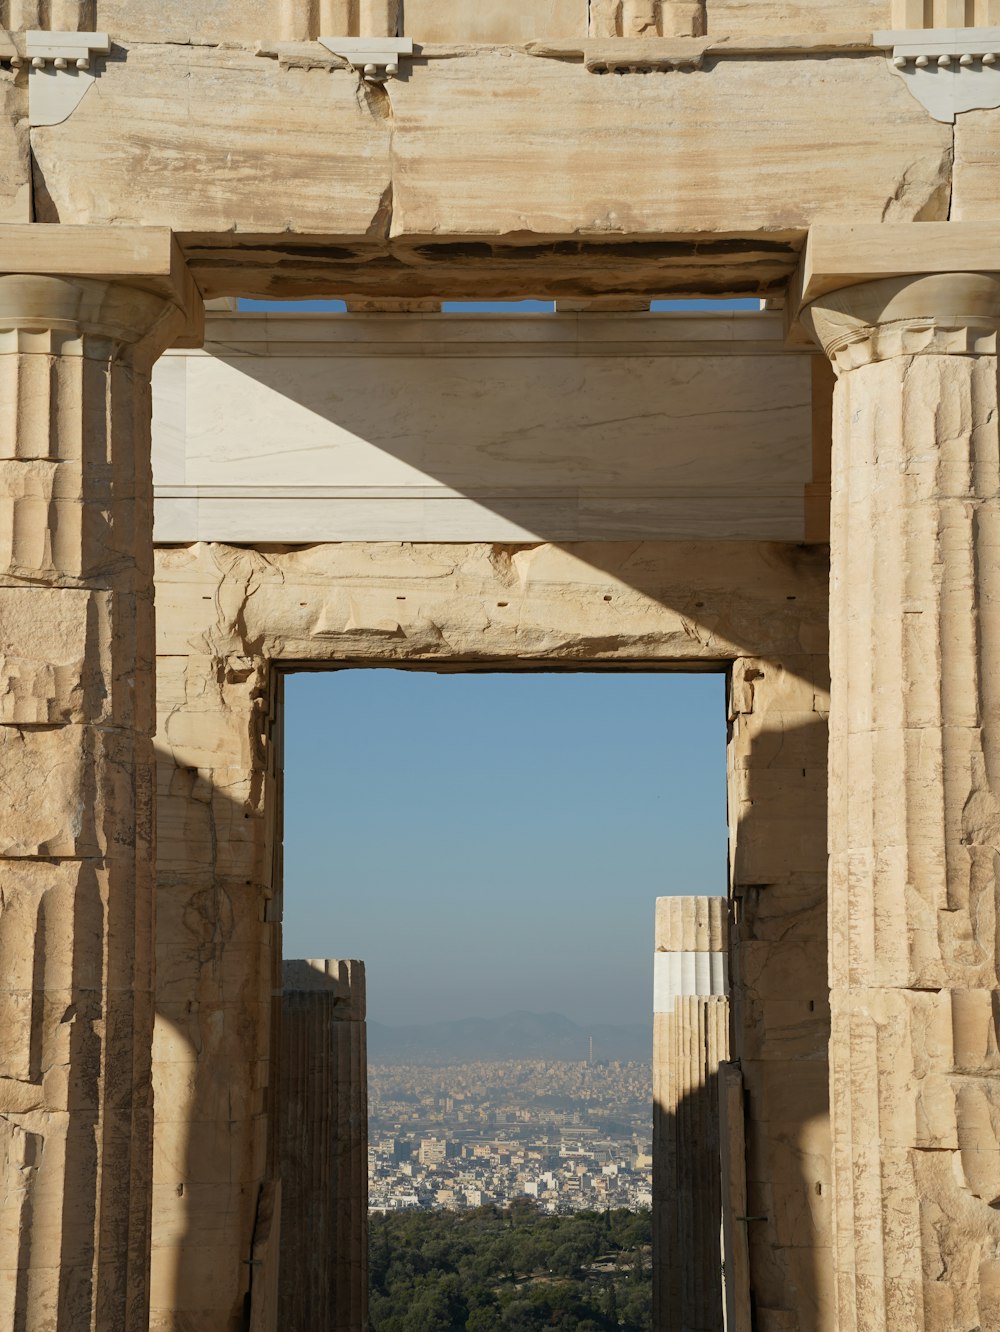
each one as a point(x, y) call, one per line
point(146, 258)
point(492, 171)
point(286, 428)
point(835, 257)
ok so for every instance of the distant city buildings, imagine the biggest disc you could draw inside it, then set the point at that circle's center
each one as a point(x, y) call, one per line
point(569, 1135)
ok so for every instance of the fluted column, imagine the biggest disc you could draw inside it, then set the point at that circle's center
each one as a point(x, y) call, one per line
point(690, 1038)
point(915, 800)
point(323, 1108)
point(76, 832)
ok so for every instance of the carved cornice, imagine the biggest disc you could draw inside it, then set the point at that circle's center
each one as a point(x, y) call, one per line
point(940, 314)
point(947, 70)
point(375, 58)
point(60, 72)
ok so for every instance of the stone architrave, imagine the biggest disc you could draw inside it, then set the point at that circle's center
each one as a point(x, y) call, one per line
point(915, 799)
point(323, 1157)
point(76, 778)
point(690, 1039)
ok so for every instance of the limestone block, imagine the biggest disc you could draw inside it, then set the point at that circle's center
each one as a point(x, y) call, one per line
point(402, 181)
point(752, 16)
point(15, 162)
point(266, 1259)
point(41, 901)
point(457, 21)
point(771, 905)
point(55, 15)
point(977, 166)
point(645, 18)
point(216, 949)
point(778, 1029)
point(436, 192)
point(46, 772)
point(61, 648)
point(692, 924)
point(45, 675)
point(187, 20)
point(49, 776)
point(242, 97)
point(582, 600)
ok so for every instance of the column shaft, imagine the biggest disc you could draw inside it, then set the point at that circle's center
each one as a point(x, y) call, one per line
point(76, 821)
point(915, 801)
point(323, 1108)
point(690, 1038)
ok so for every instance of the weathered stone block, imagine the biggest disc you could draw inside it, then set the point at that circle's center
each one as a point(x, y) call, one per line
point(977, 165)
point(47, 675)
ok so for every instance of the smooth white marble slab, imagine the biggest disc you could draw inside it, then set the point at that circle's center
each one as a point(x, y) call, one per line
point(268, 435)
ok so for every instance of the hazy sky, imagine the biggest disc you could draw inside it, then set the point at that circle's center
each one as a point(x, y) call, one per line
point(490, 842)
point(493, 842)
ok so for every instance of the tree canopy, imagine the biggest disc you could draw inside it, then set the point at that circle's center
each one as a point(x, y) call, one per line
point(511, 1269)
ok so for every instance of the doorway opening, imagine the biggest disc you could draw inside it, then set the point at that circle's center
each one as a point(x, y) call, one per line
point(491, 844)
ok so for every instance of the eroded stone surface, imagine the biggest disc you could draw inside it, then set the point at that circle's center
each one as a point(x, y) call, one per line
point(778, 986)
point(76, 846)
point(387, 202)
point(913, 800)
point(977, 165)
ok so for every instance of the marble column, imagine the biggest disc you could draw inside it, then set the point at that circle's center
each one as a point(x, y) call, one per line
point(915, 800)
point(690, 1038)
point(323, 1108)
point(76, 789)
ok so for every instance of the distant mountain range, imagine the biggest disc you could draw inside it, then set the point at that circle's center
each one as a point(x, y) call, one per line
point(516, 1036)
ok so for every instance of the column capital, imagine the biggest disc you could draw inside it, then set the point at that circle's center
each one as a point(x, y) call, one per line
point(856, 254)
point(954, 314)
point(131, 284)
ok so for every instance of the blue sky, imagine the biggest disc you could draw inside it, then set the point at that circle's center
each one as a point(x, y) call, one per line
point(496, 307)
point(492, 842)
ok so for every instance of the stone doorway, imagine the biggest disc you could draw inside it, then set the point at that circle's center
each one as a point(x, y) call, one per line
point(232, 620)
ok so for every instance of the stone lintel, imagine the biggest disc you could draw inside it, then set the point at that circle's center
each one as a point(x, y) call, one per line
point(145, 257)
point(846, 256)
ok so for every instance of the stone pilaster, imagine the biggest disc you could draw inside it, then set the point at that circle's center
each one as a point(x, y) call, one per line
point(690, 1038)
point(915, 800)
point(323, 1108)
point(76, 790)
point(779, 996)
